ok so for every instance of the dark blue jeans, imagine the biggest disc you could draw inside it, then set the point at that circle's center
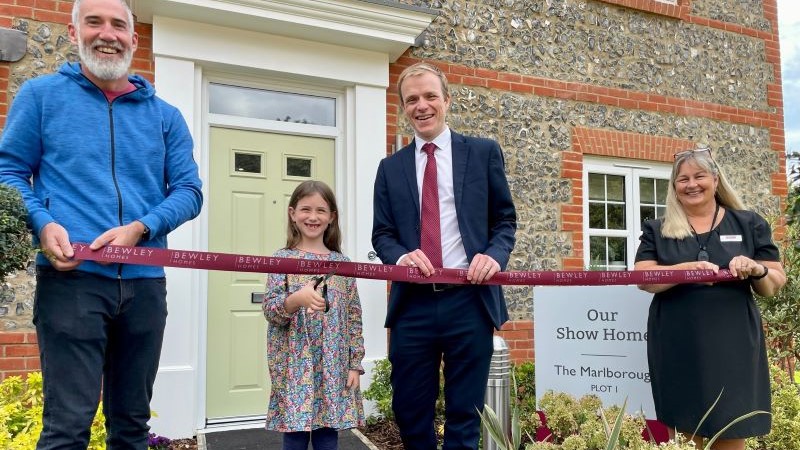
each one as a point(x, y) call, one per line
point(321, 439)
point(97, 334)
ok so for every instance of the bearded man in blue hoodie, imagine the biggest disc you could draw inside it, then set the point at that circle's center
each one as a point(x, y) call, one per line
point(98, 158)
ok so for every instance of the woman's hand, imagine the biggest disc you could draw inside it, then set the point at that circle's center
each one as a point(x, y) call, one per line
point(743, 267)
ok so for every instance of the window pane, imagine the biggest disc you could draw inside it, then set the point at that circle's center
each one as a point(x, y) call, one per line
point(617, 254)
point(646, 190)
point(597, 215)
point(597, 251)
point(271, 105)
point(247, 163)
point(616, 217)
point(616, 187)
point(660, 211)
point(652, 196)
point(661, 191)
point(298, 167)
point(597, 186)
point(647, 212)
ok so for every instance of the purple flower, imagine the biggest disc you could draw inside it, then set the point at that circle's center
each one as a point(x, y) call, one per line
point(155, 442)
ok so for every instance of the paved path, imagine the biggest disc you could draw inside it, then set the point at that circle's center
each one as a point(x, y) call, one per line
point(260, 439)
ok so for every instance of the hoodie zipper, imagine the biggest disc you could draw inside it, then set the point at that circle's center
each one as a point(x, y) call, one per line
point(114, 163)
point(114, 171)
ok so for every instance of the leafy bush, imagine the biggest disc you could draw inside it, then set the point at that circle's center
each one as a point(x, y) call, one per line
point(21, 403)
point(779, 313)
point(525, 382)
point(785, 434)
point(21, 415)
point(380, 392)
point(15, 240)
point(782, 323)
point(568, 417)
point(580, 424)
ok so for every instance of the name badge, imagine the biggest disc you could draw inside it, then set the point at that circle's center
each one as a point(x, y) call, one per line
point(730, 238)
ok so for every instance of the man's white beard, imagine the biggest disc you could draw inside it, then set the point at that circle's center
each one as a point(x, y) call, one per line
point(106, 69)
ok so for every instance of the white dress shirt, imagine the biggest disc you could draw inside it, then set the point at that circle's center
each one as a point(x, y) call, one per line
point(453, 254)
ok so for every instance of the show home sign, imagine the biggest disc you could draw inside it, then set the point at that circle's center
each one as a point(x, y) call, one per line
point(593, 340)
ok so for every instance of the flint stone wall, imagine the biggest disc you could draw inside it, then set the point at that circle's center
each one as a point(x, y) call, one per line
point(608, 45)
point(48, 48)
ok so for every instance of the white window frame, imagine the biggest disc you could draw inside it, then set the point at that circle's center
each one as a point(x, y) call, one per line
point(632, 170)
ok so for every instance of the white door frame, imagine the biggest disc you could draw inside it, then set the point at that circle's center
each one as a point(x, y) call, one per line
point(185, 53)
point(269, 126)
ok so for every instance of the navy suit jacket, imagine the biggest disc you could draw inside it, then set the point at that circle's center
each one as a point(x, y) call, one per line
point(487, 219)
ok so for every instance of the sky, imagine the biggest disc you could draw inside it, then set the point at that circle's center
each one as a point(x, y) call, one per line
point(789, 29)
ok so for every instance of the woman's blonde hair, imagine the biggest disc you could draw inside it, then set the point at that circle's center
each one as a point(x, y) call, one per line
point(676, 224)
point(332, 237)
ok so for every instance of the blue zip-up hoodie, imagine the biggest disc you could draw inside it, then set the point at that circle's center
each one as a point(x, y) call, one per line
point(97, 165)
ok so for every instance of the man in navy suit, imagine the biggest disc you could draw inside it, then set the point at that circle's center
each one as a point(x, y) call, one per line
point(434, 323)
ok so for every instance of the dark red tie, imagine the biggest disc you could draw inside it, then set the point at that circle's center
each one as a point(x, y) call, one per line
point(430, 227)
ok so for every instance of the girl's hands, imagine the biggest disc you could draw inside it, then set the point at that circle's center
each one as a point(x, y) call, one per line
point(307, 297)
point(353, 381)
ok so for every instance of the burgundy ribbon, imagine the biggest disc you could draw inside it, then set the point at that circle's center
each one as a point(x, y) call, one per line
point(267, 264)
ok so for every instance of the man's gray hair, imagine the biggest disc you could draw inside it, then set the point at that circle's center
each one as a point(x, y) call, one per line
point(76, 13)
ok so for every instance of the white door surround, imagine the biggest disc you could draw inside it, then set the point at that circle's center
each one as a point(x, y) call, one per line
point(344, 46)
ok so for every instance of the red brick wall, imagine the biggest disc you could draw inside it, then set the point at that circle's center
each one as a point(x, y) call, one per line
point(19, 353)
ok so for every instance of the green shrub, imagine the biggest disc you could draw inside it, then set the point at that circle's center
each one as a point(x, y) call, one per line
point(21, 402)
point(785, 434)
point(568, 417)
point(15, 239)
point(380, 392)
point(524, 378)
point(21, 415)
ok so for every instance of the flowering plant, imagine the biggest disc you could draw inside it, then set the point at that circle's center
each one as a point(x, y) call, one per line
point(156, 442)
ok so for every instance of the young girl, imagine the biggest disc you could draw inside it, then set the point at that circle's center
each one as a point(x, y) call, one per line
point(315, 343)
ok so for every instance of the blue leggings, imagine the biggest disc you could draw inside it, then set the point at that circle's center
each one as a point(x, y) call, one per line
point(321, 439)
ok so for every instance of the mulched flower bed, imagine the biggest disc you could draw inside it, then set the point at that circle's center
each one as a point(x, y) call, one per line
point(183, 444)
point(384, 434)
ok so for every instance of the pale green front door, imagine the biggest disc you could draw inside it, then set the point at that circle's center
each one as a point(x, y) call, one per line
point(252, 176)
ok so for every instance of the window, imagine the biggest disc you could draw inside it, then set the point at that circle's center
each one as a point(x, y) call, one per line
point(618, 196)
point(271, 105)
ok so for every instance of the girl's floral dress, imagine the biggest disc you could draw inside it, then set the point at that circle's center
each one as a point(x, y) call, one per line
point(310, 354)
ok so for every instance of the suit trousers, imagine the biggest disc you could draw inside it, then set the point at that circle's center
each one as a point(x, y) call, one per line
point(450, 327)
point(97, 334)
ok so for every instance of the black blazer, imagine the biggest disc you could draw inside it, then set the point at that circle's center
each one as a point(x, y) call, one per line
point(486, 215)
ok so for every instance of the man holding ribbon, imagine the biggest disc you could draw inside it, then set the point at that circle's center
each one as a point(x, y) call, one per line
point(442, 201)
point(99, 159)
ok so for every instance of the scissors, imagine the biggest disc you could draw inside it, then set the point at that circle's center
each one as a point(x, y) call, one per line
point(320, 279)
